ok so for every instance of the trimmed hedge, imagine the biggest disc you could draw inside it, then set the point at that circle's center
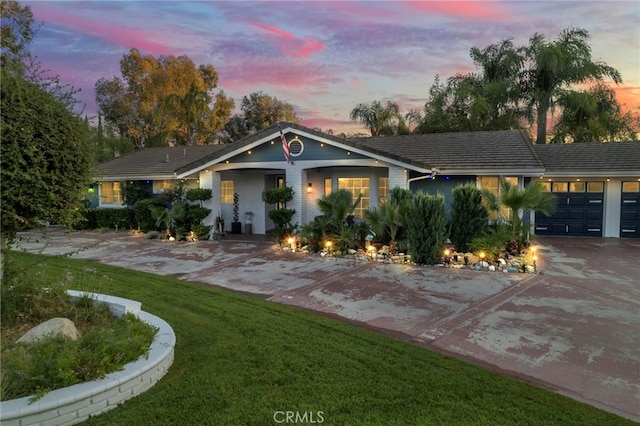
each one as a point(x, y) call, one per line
point(109, 218)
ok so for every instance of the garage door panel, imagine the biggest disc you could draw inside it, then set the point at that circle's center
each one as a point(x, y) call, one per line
point(577, 200)
point(630, 210)
point(577, 213)
point(592, 215)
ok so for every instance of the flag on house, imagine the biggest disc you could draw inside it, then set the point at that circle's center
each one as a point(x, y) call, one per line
point(285, 145)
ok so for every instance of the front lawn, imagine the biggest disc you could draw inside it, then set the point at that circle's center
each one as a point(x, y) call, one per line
point(242, 361)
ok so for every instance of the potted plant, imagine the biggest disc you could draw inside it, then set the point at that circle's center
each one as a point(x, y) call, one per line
point(219, 224)
point(236, 226)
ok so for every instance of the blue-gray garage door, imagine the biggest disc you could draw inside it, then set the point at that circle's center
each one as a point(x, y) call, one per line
point(579, 211)
point(630, 210)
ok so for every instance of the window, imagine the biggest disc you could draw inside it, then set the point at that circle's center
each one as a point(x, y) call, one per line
point(576, 186)
point(560, 187)
point(357, 186)
point(226, 192)
point(595, 187)
point(492, 184)
point(383, 190)
point(327, 186)
point(110, 193)
point(546, 186)
point(630, 186)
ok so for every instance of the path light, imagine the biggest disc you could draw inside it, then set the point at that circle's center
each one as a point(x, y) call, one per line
point(447, 261)
point(292, 243)
point(328, 245)
point(371, 249)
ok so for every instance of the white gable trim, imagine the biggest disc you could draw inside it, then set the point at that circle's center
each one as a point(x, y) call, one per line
point(283, 164)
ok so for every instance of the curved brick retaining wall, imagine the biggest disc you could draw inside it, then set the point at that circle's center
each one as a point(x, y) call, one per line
point(76, 403)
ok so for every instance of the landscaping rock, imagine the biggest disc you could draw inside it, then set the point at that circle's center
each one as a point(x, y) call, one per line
point(54, 327)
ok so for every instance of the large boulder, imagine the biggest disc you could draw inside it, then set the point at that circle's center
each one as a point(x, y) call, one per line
point(54, 327)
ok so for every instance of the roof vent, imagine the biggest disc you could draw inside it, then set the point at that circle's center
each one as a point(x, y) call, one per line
point(184, 152)
point(167, 159)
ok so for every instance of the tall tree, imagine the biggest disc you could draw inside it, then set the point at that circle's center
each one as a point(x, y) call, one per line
point(593, 115)
point(379, 119)
point(17, 30)
point(258, 111)
point(485, 100)
point(162, 100)
point(45, 160)
point(551, 66)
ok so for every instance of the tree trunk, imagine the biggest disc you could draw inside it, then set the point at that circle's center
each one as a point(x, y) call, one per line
point(542, 124)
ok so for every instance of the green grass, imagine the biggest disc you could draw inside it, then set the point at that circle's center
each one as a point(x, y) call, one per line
point(106, 343)
point(240, 359)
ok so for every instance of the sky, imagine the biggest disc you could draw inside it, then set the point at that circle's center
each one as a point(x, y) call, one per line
point(323, 57)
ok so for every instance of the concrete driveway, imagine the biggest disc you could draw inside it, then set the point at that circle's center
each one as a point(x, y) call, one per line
point(574, 328)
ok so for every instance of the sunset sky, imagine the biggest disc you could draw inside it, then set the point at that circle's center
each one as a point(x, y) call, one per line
point(323, 57)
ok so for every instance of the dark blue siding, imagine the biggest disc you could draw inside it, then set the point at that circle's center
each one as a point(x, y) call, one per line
point(441, 184)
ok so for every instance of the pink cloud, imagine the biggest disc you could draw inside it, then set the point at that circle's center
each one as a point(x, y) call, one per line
point(461, 9)
point(289, 44)
point(117, 34)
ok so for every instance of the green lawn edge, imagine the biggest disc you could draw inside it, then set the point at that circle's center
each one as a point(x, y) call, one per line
point(239, 360)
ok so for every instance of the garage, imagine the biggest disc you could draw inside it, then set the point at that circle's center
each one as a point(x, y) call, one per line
point(579, 210)
point(630, 209)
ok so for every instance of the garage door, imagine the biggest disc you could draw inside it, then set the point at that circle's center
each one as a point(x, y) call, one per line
point(579, 211)
point(630, 210)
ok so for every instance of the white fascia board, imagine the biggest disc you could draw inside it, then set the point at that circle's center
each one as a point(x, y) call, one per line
point(360, 151)
point(123, 178)
point(276, 165)
point(232, 154)
point(598, 174)
point(491, 172)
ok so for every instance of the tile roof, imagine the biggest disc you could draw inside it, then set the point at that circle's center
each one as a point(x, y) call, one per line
point(494, 150)
point(597, 157)
point(151, 163)
point(471, 152)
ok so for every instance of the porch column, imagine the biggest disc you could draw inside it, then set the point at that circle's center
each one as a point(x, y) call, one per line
point(296, 178)
point(211, 180)
point(397, 177)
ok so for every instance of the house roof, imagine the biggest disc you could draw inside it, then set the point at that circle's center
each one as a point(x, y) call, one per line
point(504, 151)
point(459, 152)
point(597, 158)
point(153, 163)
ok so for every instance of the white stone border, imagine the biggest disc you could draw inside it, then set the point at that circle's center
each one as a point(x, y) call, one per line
point(76, 403)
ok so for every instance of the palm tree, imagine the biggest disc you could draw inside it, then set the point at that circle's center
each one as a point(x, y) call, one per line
point(532, 198)
point(338, 208)
point(377, 118)
point(593, 115)
point(554, 65)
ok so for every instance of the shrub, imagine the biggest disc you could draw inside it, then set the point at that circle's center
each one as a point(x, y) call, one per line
point(152, 235)
point(199, 194)
point(202, 231)
point(196, 214)
point(110, 218)
point(135, 191)
point(426, 228)
point(469, 217)
point(142, 213)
